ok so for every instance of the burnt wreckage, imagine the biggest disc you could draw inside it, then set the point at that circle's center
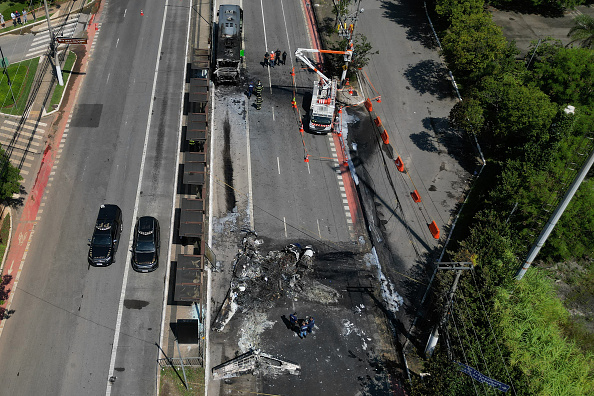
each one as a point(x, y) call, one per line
point(260, 280)
point(228, 46)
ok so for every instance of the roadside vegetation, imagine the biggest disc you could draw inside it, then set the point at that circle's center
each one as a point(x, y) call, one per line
point(59, 90)
point(534, 120)
point(172, 382)
point(14, 94)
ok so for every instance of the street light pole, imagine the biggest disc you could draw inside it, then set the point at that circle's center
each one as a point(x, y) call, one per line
point(53, 46)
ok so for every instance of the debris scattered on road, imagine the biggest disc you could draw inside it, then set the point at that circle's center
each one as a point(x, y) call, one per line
point(259, 280)
point(254, 362)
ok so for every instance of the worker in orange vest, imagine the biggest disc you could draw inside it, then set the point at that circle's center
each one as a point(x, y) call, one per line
point(271, 63)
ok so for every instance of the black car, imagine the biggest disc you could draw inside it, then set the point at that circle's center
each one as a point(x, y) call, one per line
point(106, 236)
point(145, 250)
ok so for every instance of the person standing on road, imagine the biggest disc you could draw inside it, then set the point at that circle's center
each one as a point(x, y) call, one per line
point(266, 58)
point(284, 58)
point(277, 56)
point(13, 16)
point(271, 59)
point(259, 88)
point(250, 89)
point(303, 330)
point(310, 324)
point(24, 15)
point(293, 320)
point(258, 102)
point(33, 13)
point(2, 21)
point(18, 17)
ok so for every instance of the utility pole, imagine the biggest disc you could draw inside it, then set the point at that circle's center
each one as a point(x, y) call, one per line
point(347, 30)
point(555, 216)
point(53, 46)
point(458, 267)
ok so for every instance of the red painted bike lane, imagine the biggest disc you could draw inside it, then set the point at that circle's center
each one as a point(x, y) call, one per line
point(25, 228)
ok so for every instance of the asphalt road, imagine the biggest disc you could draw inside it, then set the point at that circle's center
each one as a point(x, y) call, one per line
point(120, 147)
point(260, 154)
point(416, 99)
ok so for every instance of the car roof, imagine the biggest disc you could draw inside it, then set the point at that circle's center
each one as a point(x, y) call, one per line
point(108, 212)
point(146, 224)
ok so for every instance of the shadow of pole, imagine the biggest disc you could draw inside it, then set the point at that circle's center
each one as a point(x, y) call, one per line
point(170, 361)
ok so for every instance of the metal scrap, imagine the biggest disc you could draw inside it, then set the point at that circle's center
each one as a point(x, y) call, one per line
point(258, 280)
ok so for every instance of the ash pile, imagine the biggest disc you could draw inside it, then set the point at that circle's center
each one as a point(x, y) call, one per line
point(259, 280)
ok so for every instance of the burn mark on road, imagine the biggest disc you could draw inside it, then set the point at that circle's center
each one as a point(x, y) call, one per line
point(228, 166)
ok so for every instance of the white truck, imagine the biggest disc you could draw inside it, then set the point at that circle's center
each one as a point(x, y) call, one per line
point(323, 100)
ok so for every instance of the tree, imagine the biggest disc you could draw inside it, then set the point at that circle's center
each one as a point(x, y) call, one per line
point(583, 31)
point(453, 9)
point(472, 44)
point(9, 178)
point(566, 75)
point(362, 52)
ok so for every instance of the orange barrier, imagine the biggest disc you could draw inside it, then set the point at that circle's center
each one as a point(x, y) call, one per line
point(415, 196)
point(377, 121)
point(434, 229)
point(368, 105)
point(399, 164)
point(385, 137)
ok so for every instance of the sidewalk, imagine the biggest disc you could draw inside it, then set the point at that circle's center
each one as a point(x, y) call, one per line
point(25, 218)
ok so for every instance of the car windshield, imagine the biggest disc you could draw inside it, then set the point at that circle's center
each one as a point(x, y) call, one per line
point(145, 246)
point(101, 240)
point(321, 120)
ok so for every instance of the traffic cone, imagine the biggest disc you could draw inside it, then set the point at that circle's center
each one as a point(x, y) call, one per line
point(301, 129)
point(294, 103)
point(141, 13)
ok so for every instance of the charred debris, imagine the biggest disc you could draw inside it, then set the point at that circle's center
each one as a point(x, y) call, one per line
point(259, 280)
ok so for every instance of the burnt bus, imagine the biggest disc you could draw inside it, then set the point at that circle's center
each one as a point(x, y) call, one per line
point(228, 45)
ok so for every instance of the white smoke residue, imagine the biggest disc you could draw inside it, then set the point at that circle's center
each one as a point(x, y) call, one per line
point(391, 297)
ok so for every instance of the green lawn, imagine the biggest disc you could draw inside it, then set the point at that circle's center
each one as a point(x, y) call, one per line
point(6, 7)
point(59, 90)
point(21, 77)
point(4, 233)
point(171, 383)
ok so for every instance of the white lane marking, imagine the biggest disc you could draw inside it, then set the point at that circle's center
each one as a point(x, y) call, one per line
point(116, 335)
point(125, 11)
point(273, 114)
point(287, 33)
point(266, 44)
point(285, 224)
point(308, 170)
point(117, 42)
point(278, 164)
point(108, 74)
point(319, 233)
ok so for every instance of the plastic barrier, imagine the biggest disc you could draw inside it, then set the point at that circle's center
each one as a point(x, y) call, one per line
point(385, 137)
point(415, 196)
point(377, 121)
point(399, 164)
point(434, 229)
point(368, 105)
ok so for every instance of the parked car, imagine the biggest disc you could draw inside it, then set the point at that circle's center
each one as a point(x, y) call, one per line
point(106, 236)
point(145, 249)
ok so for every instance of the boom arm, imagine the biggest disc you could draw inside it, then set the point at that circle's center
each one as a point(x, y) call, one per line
point(299, 54)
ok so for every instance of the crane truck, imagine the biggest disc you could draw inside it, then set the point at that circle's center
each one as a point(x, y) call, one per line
point(323, 100)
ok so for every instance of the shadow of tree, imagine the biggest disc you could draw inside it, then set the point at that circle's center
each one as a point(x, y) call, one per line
point(424, 141)
point(410, 15)
point(429, 77)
